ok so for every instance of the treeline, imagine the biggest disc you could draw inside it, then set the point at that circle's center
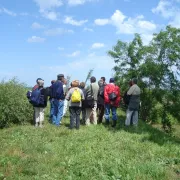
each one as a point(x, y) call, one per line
point(157, 67)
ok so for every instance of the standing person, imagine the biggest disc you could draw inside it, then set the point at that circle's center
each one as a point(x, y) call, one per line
point(75, 96)
point(58, 100)
point(65, 101)
point(39, 101)
point(82, 87)
point(134, 102)
point(111, 99)
point(92, 92)
point(101, 100)
point(51, 101)
point(104, 80)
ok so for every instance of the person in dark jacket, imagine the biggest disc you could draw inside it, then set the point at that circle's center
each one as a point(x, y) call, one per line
point(58, 97)
point(39, 109)
point(51, 101)
point(134, 102)
point(101, 100)
point(82, 87)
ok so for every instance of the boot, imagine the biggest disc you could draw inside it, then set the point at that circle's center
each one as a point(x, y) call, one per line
point(114, 124)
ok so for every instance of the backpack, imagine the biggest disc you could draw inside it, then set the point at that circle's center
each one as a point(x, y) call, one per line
point(126, 98)
point(37, 98)
point(76, 96)
point(113, 95)
point(28, 94)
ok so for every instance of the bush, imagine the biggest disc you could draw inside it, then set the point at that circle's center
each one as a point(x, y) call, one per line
point(14, 105)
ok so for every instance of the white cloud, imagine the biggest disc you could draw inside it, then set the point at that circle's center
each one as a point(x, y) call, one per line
point(97, 45)
point(101, 22)
point(70, 20)
point(60, 49)
point(74, 54)
point(8, 12)
point(57, 31)
point(46, 8)
point(164, 8)
point(36, 25)
point(35, 39)
point(88, 29)
point(48, 4)
point(78, 2)
point(176, 20)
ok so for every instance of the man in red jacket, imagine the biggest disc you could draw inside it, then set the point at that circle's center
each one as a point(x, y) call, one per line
point(111, 100)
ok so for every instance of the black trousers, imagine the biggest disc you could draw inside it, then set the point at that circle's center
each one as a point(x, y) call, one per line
point(74, 117)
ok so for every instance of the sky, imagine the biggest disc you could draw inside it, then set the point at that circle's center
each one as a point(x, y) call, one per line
point(43, 38)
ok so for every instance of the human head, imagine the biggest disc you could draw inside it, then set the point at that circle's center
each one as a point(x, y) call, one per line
point(103, 79)
point(41, 83)
point(64, 81)
point(130, 83)
point(82, 85)
point(112, 80)
point(53, 81)
point(60, 77)
point(134, 81)
point(100, 82)
point(75, 83)
point(38, 80)
point(93, 79)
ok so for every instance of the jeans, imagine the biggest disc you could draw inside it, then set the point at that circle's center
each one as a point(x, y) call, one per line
point(74, 117)
point(58, 111)
point(51, 109)
point(108, 110)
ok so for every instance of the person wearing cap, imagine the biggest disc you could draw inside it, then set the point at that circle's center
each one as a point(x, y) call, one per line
point(91, 115)
point(75, 107)
point(134, 102)
point(58, 97)
point(111, 99)
point(39, 109)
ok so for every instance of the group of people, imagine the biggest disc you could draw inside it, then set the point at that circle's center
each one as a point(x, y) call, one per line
point(94, 102)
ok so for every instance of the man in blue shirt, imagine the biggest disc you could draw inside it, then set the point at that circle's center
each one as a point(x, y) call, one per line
point(58, 99)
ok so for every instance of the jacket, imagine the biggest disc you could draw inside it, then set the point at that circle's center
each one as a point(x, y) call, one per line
point(57, 91)
point(109, 88)
point(100, 96)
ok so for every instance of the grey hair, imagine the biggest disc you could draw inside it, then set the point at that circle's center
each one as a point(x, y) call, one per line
point(41, 83)
point(100, 82)
point(134, 80)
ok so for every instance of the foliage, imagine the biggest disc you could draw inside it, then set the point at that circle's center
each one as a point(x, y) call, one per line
point(157, 68)
point(95, 152)
point(14, 106)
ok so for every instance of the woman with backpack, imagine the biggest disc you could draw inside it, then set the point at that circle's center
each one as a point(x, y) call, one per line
point(39, 101)
point(75, 97)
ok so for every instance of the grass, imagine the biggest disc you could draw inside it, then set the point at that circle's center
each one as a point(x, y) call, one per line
point(95, 152)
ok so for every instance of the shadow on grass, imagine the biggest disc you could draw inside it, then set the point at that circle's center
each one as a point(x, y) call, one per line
point(155, 135)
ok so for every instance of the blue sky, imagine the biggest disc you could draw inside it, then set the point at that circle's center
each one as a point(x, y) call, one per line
point(42, 38)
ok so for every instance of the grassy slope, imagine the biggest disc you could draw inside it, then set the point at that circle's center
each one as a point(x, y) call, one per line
point(95, 152)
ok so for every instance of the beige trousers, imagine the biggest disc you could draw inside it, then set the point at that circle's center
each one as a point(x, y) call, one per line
point(39, 114)
point(91, 115)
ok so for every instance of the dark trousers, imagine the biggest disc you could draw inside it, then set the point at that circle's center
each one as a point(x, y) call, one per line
point(74, 117)
point(101, 113)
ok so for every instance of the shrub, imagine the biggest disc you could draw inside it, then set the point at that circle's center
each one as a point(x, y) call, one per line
point(14, 105)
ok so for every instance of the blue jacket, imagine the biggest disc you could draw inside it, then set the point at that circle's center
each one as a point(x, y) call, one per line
point(57, 91)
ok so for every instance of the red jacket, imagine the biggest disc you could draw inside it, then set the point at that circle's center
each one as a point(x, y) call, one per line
point(109, 88)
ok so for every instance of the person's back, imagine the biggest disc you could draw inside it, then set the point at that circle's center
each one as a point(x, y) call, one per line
point(95, 89)
point(57, 91)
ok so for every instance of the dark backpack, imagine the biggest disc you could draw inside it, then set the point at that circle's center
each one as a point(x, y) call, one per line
point(126, 98)
point(113, 95)
point(37, 98)
point(28, 94)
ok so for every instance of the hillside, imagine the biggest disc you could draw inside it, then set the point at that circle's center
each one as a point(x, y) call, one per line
point(95, 152)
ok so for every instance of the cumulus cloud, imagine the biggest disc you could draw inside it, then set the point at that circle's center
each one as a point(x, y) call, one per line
point(70, 20)
point(101, 22)
point(8, 12)
point(78, 2)
point(36, 39)
point(36, 25)
point(47, 8)
point(169, 10)
point(97, 45)
point(58, 31)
